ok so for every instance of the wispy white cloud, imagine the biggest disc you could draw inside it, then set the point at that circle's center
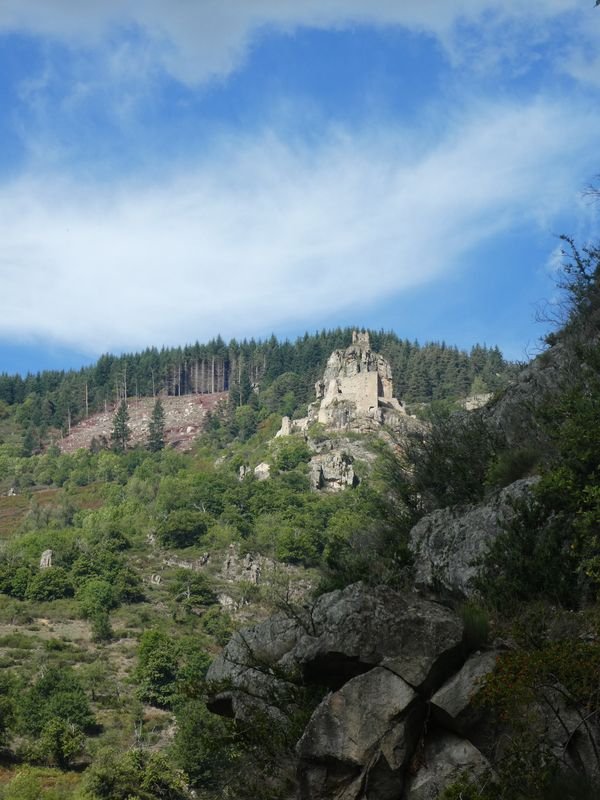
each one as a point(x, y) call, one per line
point(260, 230)
point(194, 41)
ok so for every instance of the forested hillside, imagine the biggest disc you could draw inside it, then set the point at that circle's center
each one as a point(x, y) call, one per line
point(276, 369)
point(125, 569)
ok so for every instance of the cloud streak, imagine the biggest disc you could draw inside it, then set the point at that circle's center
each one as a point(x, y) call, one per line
point(263, 231)
point(196, 41)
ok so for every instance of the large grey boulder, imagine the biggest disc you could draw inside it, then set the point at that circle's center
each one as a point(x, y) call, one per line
point(445, 759)
point(448, 544)
point(360, 627)
point(453, 704)
point(345, 634)
point(360, 738)
point(248, 676)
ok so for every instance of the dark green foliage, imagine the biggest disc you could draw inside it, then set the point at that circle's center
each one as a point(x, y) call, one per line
point(50, 584)
point(111, 568)
point(191, 589)
point(58, 743)
point(138, 774)
point(451, 459)
point(101, 628)
point(476, 621)
point(192, 669)
point(15, 580)
point(157, 668)
point(8, 704)
point(528, 560)
point(156, 428)
point(555, 676)
point(511, 465)
point(121, 432)
point(56, 695)
point(204, 745)
point(282, 395)
point(290, 452)
point(218, 624)
point(182, 528)
point(286, 373)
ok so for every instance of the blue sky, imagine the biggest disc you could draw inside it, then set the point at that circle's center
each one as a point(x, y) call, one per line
point(174, 169)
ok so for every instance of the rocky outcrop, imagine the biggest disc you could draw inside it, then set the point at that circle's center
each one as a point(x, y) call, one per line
point(262, 472)
point(446, 758)
point(332, 471)
point(448, 544)
point(357, 628)
point(475, 401)
point(399, 689)
point(515, 411)
point(345, 634)
point(46, 559)
point(401, 719)
point(360, 738)
point(254, 568)
point(452, 705)
point(355, 393)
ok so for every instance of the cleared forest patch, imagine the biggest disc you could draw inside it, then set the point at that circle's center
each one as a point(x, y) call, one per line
point(184, 422)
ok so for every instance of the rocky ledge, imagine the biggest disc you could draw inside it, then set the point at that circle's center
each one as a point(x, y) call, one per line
point(383, 657)
point(398, 718)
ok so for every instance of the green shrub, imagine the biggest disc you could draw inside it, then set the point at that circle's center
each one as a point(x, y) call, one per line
point(289, 452)
point(96, 596)
point(450, 460)
point(101, 628)
point(56, 695)
point(511, 465)
point(530, 559)
point(138, 774)
point(218, 624)
point(477, 625)
point(58, 743)
point(157, 668)
point(50, 584)
point(203, 746)
point(191, 589)
point(182, 528)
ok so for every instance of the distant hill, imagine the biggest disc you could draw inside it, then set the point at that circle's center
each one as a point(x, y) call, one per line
point(272, 369)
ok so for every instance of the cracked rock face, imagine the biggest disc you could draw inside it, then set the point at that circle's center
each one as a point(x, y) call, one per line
point(359, 735)
point(446, 758)
point(381, 653)
point(346, 634)
point(361, 627)
point(332, 471)
point(448, 544)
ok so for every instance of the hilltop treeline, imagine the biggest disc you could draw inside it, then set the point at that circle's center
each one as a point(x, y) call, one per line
point(421, 373)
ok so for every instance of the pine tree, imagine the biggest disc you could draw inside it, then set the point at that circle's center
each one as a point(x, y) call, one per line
point(121, 432)
point(156, 428)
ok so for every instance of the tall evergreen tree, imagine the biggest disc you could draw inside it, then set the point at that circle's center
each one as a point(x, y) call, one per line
point(156, 428)
point(121, 432)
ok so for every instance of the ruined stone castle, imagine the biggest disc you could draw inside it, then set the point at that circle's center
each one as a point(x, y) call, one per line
point(355, 392)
